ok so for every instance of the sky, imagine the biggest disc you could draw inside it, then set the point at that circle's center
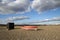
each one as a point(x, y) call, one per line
point(30, 11)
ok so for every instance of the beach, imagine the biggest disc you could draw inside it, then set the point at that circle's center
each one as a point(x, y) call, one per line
point(43, 33)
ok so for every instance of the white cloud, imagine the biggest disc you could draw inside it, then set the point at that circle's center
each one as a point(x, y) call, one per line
point(55, 19)
point(7, 1)
point(15, 18)
point(44, 5)
point(14, 6)
point(1, 21)
point(12, 19)
point(21, 6)
point(47, 20)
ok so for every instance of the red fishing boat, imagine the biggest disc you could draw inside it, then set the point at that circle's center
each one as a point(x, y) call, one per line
point(29, 27)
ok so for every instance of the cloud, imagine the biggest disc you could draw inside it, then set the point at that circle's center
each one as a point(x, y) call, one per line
point(12, 19)
point(1, 21)
point(22, 6)
point(47, 20)
point(55, 19)
point(7, 1)
point(15, 18)
point(44, 5)
point(14, 6)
